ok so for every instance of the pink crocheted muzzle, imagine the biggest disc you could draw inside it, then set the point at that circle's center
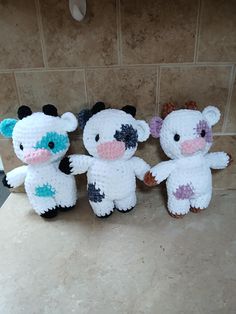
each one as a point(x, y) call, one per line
point(38, 156)
point(190, 147)
point(111, 150)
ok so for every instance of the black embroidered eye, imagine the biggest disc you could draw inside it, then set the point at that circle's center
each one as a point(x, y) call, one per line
point(51, 145)
point(21, 147)
point(203, 133)
point(97, 138)
point(176, 137)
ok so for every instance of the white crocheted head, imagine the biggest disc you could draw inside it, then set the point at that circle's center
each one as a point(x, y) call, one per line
point(40, 137)
point(185, 132)
point(112, 134)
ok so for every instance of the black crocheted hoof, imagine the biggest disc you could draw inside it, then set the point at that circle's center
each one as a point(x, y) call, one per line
point(5, 183)
point(125, 211)
point(50, 213)
point(65, 208)
point(105, 216)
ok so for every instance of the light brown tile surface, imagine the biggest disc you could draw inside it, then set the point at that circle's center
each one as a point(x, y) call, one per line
point(124, 86)
point(231, 123)
point(19, 36)
point(9, 159)
point(218, 31)
point(65, 89)
point(226, 178)
point(129, 263)
point(90, 42)
point(8, 96)
point(157, 31)
point(205, 85)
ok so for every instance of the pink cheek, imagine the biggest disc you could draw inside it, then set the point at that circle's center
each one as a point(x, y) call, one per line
point(190, 147)
point(111, 150)
point(37, 156)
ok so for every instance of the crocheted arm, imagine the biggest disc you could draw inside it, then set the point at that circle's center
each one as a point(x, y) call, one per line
point(75, 164)
point(159, 173)
point(140, 167)
point(15, 178)
point(219, 160)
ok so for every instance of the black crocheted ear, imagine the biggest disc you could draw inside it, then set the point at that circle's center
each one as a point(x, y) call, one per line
point(83, 116)
point(50, 110)
point(99, 106)
point(24, 111)
point(129, 109)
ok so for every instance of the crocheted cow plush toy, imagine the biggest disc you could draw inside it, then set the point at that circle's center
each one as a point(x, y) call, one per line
point(40, 140)
point(186, 137)
point(111, 137)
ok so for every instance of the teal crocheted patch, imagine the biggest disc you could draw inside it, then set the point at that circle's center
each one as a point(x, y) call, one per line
point(53, 142)
point(7, 126)
point(45, 190)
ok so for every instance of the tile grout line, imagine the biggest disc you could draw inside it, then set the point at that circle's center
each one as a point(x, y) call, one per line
point(85, 86)
point(144, 65)
point(17, 89)
point(41, 33)
point(118, 26)
point(229, 96)
point(157, 90)
point(196, 47)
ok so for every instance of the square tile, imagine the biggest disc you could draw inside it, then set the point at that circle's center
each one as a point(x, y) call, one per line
point(20, 45)
point(226, 178)
point(217, 31)
point(124, 86)
point(158, 31)
point(90, 42)
point(65, 89)
point(231, 123)
point(205, 85)
point(8, 96)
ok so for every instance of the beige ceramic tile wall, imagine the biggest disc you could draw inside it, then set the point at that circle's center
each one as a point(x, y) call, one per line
point(124, 52)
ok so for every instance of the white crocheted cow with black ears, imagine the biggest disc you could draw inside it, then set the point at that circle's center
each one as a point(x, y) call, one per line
point(186, 137)
point(40, 140)
point(111, 137)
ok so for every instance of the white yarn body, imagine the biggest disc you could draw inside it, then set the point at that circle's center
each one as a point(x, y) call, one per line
point(195, 173)
point(49, 175)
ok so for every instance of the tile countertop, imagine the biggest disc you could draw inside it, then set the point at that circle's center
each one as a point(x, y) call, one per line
point(140, 262)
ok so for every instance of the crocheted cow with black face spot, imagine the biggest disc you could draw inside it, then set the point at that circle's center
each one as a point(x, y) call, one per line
point(40, 140)
point(186, 137)
point(111, 137)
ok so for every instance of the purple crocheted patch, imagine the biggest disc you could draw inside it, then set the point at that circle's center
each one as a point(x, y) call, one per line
point(155, 126)
point(202, 126)
point(184, 192)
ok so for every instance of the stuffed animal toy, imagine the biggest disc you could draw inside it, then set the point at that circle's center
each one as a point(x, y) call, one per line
point(186, 137)
point(111, 137)
point(40, 140)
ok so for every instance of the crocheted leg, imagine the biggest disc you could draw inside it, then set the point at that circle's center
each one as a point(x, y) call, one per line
point(66, 195)
point(178, 208)
point(200, 203)
point(102, 209)
point(43, 205)
point(126, 204)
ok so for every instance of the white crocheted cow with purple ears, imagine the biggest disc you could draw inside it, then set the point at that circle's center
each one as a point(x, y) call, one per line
point(40, 140)
point(111, 137)
point(186, 137)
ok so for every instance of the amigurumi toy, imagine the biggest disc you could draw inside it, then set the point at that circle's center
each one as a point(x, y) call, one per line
point(186, 137)
point(111, 137)
point(40, 140)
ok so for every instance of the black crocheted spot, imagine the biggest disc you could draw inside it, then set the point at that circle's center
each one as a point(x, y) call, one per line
point(65, 166)
point(83, 117)
point(94, 194)
point(128, 135)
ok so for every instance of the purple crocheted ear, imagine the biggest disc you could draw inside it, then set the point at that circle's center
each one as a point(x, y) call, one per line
point(155, 126)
